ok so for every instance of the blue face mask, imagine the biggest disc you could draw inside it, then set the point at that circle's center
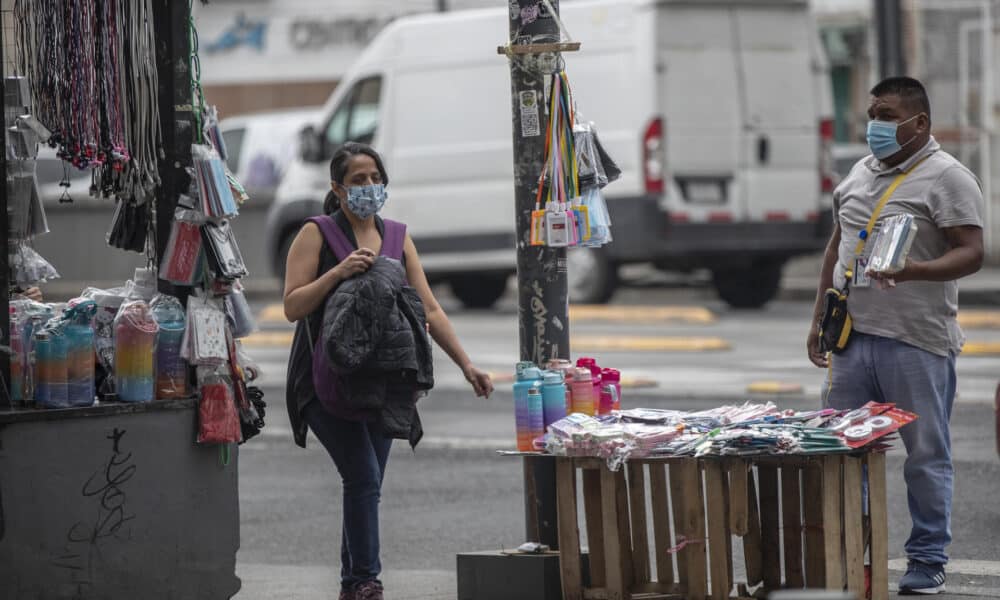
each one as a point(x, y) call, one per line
point(882, 137)
point(366, 200)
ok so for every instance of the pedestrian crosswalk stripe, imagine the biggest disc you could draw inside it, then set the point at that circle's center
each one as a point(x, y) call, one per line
point(774, 387)
point(981, 349)
point(269, 338)
point(272, 313)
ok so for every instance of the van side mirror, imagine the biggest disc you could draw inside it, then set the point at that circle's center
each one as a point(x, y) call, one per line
point(311, 145)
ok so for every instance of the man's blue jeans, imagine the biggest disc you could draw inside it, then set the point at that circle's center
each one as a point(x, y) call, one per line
point(360, 452)
point(885, 370)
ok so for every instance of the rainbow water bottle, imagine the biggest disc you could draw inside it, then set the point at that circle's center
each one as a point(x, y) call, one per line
point(17, 366)
point(79, 333)
point(57, 367)
point(135, 339)
point(42, 350)
point(595, 375)
point(553, 397)
point(171, 368)
point(536, 414)
point(528, 376)
point(583, 392)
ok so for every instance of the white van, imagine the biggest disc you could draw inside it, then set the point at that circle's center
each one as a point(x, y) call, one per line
point(718, 113)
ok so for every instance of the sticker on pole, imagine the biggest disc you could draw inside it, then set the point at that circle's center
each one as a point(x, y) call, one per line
point(530, 126)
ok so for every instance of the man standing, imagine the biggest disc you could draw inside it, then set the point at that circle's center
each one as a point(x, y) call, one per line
point(906, 335)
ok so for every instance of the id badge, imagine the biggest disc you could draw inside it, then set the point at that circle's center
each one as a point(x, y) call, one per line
point(860, 278)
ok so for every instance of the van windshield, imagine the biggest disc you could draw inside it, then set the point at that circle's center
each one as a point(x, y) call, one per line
point(356, 119)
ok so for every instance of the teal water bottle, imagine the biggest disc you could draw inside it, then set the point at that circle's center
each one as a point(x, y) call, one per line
point(553, 397)
point(536, 416)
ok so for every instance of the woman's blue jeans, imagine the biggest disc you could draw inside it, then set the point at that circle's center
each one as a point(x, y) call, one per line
point(885, 370)
point(360, 452)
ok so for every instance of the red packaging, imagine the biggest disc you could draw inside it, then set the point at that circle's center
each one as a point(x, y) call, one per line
point(218, 422)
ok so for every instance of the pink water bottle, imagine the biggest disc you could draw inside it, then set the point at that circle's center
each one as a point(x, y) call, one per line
point(613, 377)
point(595, 374)
point(583, 392)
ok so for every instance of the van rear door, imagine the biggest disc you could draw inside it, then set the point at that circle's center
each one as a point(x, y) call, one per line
point(699, 92)
point(781, 117)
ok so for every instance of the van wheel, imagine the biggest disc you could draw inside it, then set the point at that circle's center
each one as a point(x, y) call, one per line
point(592, 277)
point(751, 287)
point(479, 291)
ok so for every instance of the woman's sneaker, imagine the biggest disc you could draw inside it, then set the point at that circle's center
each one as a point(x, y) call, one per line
point(369, 590)
point(922, 578)
point(346, 594)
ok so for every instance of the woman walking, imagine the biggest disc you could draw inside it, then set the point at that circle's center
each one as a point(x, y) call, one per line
point(358, 439)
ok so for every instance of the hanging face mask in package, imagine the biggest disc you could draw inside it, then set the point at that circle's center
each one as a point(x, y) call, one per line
point(130, 223)
point(182, 259)
point(213, 186)
point(238, 313)
point(892, 246)
point(224, 256)
point(204, 340)
point(218, 421)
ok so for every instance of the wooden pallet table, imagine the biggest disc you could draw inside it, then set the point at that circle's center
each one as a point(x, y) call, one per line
point(664, 528)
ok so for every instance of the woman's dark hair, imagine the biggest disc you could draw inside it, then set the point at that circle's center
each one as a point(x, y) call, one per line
point(338, 169)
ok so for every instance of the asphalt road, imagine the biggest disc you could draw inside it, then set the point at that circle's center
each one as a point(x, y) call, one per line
point(454, 494)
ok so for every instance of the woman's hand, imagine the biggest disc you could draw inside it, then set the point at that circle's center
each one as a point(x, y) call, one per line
point(480, 380)
point(33, 293)
point(359, 261)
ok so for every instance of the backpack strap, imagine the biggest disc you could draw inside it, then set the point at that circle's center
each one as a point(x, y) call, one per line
point(393, 239)
point(335, 238)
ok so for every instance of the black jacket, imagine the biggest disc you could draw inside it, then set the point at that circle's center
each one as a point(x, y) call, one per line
point(374, 332)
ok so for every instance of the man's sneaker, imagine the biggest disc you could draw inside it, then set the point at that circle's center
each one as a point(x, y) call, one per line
point(369, 590)
point(922, 578)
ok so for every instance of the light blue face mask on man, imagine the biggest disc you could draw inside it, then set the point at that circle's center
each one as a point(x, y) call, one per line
point(366, 200)
point(882, 137)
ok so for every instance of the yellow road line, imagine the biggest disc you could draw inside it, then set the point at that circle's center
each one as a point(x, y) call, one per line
point(269, 338)
point(272, 313)
point(774, 387)
point(640, 314)
point(648, 344)
point(979, 319)
point(981, 349)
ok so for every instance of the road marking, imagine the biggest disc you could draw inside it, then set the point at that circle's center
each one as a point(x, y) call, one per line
point(272, 313)
point(269, 338)
point(648, 344)
point(973, 568)
point(640, 314)
point(774, 387)
point(981, 349)
point(979, 319)
point(632, 383)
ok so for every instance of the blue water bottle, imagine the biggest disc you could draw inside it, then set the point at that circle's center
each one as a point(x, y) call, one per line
point(553, 397)
point(528, 376)
point(79, 334)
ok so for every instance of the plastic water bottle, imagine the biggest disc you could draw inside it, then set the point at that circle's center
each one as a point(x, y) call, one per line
point(16, 359)
point(42, 350)
point(171, 368)
point(583, 391)
point(553, 397)
point(528, 376)
point(57, 369)
point(536, 414)
point(566, 368)
point(613, 377)
point(135, 335)
point(79, 337)
point(608, 394)
point(595, 375)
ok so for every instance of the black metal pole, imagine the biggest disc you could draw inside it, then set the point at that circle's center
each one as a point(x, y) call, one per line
point(173, 66)
point(5, 399)
point(889, 26)
point(543, 298)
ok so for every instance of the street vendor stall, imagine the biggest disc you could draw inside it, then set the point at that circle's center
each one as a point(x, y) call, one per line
point(121, 408)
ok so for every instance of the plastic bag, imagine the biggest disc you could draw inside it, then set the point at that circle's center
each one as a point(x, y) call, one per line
point(130, 223)
point(600, 219)
point(135, 344)
point(238, 313)
point(28, 266)
point(171, 368)
point(182, 258)
point(224, 257)
point(218, 422)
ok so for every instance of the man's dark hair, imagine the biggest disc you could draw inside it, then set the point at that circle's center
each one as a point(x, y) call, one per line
point(338, 169)
point(909, 90)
